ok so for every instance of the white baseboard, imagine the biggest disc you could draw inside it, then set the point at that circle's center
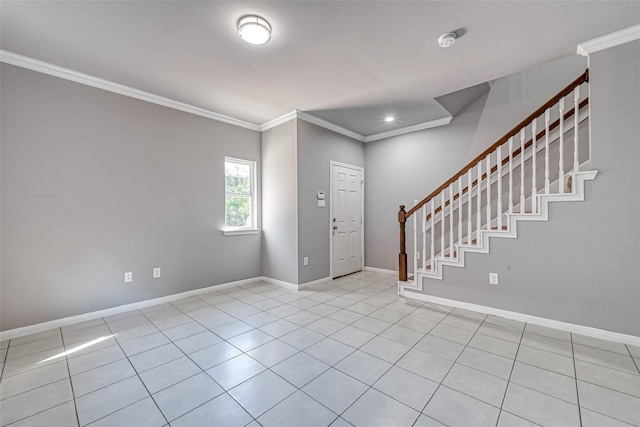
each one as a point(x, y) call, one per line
point(542, 321)
point(40, 327)
point(381, 270)
point(314, 282)
point(277, 282)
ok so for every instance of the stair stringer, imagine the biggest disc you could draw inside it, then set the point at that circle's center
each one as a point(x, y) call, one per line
point(576, 195)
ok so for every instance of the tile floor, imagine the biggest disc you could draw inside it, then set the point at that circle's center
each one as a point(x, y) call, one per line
point(347, 352)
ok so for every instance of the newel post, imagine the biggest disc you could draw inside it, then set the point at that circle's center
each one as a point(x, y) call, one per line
point(402, 257)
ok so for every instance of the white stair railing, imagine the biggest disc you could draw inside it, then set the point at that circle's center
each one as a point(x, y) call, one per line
point(449, 199)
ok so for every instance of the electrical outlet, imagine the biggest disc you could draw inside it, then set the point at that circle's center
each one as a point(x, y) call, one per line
point(128, 277)
point(418, 255)
point(156, 272)
point(493, 278)
point(305, 260)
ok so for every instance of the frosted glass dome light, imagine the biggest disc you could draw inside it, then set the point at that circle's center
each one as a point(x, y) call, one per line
point(254, 29)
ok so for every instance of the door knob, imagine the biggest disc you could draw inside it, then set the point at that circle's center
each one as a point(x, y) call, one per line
point(335, 227)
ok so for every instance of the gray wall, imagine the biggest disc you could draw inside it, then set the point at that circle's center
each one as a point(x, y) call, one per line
point(280, 203)
point(582, 266)
point(317, 147)
point(408, 167)
point(514, 97)
point(94, 184)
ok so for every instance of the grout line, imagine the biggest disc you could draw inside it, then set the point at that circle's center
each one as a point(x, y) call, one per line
point(66, 361)
point(330, 367)
point(632, 358)
point(452, 365)
point(4, 360)
point(519, 416)
point(13, 423)
point(138, 376)
point(141, 313)
point(362, 283)
point(575, 372)
point(44, 410)
point(118, 410)
point(200, 368)
point(515, 358)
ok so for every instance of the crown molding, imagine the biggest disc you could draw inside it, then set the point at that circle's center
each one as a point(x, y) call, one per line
point(328, 125)
point(26, 62)
point(610, 40)
point(351, 134)
point(420, 126)
point(85, 79)
point(278, 121)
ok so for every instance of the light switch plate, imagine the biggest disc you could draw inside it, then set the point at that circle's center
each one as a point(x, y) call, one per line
point(493, 278)
point(156, 272)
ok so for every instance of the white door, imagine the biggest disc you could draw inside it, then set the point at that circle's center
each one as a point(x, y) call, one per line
point(346, 213)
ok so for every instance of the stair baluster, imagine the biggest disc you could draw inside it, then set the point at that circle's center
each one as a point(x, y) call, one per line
point(469, 197)
point(460, 185)
point(423, 263)
point(561, 161)
point(511, 175)
point(442, 221)
point(547, 115)
point(499, 204)
point(489, 192)
point(451, 220)
point(478, 204)
point(576, 108)
point(522, 138)
point(534, 191)
point(433, 233)
point(415, 242)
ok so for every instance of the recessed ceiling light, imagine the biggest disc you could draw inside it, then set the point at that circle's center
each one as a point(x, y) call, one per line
point(447, 39)
point(254, 29)
point(389, 119)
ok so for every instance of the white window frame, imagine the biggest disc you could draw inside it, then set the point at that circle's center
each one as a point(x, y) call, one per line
point(251, 228)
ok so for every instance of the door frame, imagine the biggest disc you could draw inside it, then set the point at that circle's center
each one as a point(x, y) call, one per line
point(332, 164)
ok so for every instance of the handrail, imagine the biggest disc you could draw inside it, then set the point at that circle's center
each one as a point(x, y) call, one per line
point(513, 132)
point(515, 153)
point(403, 215)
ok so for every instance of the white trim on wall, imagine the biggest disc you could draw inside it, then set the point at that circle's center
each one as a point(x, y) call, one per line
point(287, 285)
point(86, 79)
point(414, 128)
point(542, 321)
point(32, 64)
point(32, 329)
point(328, 125)
point(279, 120)
point(314, 282)
point(381, 270)
point(610, 40)
point(570, 327)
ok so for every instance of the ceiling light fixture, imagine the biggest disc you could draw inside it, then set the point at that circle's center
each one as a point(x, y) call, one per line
point(254, 29)
point(389, 119)
point(447, 40)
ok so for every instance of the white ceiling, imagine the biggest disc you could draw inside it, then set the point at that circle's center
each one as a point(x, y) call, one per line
point(329, 57)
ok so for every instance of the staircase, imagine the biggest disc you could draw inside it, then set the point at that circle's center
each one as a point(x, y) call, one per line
point(544, 159)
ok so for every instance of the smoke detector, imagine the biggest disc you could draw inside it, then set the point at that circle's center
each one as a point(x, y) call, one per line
point(447, 39)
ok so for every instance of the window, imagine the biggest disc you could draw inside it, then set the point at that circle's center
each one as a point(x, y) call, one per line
point(240, 202)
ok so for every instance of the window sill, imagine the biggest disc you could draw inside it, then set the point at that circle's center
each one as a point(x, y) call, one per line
point(240, 232)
